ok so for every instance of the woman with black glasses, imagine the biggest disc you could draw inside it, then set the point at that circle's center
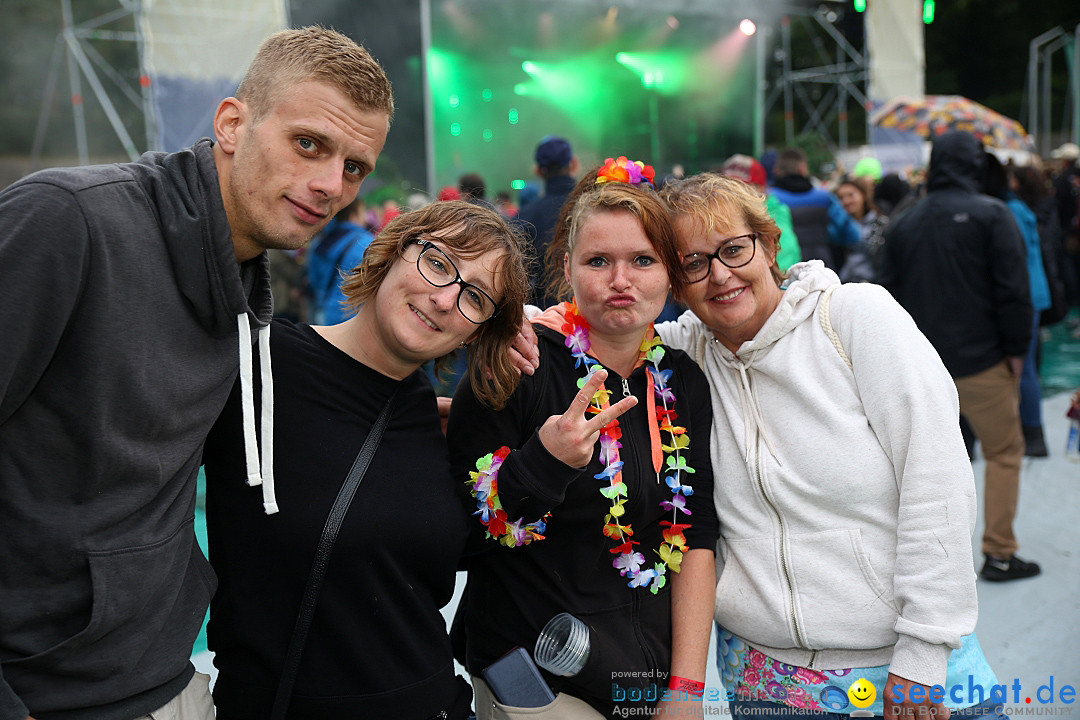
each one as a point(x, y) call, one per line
point(844, 493)
point(447, 276)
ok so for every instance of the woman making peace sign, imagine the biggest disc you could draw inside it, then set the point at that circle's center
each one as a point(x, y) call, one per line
point(594, 483)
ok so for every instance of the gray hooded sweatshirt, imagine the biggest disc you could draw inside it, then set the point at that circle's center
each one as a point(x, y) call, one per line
point(120, 301)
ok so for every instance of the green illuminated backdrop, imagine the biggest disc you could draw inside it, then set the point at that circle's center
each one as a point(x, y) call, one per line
point(656, 87)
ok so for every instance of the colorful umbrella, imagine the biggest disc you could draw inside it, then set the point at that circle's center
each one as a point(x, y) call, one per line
point(932, 115)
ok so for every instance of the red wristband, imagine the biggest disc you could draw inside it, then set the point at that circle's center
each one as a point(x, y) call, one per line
point(692, 688)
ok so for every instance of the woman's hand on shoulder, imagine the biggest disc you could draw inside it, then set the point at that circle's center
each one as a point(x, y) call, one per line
point(571, 437)
point(523, 353)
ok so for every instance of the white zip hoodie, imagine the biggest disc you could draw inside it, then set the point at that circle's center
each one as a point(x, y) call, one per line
point(845, 495)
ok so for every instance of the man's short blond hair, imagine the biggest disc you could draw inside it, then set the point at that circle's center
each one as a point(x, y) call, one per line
point(289, 57)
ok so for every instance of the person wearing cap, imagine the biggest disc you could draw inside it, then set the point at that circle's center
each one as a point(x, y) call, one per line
point(749, 170)
point(556, 166)
point(868, 167)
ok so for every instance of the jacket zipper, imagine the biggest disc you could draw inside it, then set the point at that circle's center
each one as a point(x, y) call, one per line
point(650, 660)
point(760, 477)
point(629, 441)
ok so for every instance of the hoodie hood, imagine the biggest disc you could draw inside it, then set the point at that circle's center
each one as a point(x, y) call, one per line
point(183, 187)
point(798, 302)
point(956, 160)
point(802, 291)
point(794, 183)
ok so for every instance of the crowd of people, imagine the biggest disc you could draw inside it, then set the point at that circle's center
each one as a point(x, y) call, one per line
point(735, 408)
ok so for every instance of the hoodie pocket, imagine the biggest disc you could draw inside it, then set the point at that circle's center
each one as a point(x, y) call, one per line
point(146, 599)
point(842, 602)
point(751, 596)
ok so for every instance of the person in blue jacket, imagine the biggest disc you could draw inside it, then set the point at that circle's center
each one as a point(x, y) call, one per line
point(337, 250)
point(1001, 183)
point(824, 228)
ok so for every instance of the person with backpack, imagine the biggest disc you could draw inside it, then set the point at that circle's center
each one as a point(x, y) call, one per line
point(337, 250)
point(845, 497)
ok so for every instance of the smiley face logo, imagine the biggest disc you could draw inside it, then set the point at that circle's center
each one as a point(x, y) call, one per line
point(862, 693)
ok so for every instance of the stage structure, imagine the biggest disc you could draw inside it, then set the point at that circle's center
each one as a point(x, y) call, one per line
point(191, 54)
point(194, 53)
point(672, 81)
point(1041, 51)
point(665, 82)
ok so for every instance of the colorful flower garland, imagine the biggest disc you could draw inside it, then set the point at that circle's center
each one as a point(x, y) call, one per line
point(625, 171)
point(485, 488)
point(628, 562)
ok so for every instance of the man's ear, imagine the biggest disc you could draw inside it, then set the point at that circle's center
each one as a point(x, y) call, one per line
point(231, 114)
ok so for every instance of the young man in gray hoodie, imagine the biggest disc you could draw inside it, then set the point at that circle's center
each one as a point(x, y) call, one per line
point(127, 294)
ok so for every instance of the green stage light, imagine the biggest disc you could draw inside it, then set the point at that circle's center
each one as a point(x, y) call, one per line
point(488, 135)
point(928, 11)
point(529, 67)
point(657, 71)
point(860, 5)
point(486, 95)
point(512, 116)
point(455, 129)
point(454, 101)
point(518, 184)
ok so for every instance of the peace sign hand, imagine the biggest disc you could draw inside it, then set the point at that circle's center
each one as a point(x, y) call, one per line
point(570, 437)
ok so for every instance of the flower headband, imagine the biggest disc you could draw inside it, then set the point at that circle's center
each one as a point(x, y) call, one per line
point(625, 171)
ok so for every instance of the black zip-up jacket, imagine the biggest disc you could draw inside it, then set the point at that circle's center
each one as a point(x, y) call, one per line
point(513, 592)
point(956, 261)
point(119, 302)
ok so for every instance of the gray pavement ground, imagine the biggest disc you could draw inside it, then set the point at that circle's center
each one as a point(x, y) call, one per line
point(1029, 629)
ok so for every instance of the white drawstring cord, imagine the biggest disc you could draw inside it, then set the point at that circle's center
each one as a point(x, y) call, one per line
point(247, 403)
point(267, 381)
point(260, 470)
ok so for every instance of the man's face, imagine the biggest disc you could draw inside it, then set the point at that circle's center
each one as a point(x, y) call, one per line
point(286, 175)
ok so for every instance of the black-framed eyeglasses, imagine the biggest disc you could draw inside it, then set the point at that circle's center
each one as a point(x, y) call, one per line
point(437, 268)
point(733, 252)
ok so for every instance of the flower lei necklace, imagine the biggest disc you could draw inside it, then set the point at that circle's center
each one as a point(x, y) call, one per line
point(628, 562)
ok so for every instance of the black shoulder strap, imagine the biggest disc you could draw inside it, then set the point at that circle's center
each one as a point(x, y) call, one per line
point(322, 558)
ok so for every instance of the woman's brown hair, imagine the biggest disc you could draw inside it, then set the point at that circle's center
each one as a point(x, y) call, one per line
point(468, 231)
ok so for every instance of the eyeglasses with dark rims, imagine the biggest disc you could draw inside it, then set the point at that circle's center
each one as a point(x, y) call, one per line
point(733, 252)
point(437, 268)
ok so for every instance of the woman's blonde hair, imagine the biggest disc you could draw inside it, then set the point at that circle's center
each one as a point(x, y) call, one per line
point(586, 200)
point(468, 231)
point(716, 202)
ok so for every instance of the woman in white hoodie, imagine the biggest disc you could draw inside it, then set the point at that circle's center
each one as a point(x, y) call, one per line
point(845, 496)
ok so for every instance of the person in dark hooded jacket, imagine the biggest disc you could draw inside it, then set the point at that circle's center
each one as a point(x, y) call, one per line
point(128, 295)
point(956, 261)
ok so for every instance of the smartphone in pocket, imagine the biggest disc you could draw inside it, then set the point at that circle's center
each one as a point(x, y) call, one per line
point(515, 680)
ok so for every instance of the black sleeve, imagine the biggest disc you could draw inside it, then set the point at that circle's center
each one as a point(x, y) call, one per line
point(531, 481)
point(696, 402)
point(44, 262)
